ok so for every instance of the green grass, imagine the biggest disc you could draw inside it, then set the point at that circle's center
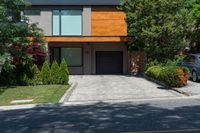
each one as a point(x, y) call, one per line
point(39, 94)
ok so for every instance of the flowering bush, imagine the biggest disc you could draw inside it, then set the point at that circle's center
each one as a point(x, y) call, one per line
point(172, 76)
point(183, 75)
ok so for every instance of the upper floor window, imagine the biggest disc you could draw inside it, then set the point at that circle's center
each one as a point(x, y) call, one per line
point(67, 22)
point(32, 12)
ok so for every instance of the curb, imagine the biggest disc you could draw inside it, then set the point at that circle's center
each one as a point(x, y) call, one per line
point(163, 84)
point(68, 93)
point(181, 92)
point(29, 106)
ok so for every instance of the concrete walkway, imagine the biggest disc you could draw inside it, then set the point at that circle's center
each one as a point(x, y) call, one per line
point(192, 89)
point(115, 87)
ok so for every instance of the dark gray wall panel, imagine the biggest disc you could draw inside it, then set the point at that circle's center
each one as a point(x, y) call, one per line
point(75, 2)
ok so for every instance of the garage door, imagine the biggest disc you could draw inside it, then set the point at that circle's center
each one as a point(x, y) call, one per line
point(109, 62)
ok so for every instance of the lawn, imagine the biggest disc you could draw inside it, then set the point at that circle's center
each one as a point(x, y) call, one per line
point(39, 94)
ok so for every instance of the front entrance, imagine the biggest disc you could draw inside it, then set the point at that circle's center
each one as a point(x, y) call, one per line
point(109, 62)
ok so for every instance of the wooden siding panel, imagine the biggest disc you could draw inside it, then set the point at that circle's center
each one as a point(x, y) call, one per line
point(111, 15)
point(109, 28)
point(108, 22)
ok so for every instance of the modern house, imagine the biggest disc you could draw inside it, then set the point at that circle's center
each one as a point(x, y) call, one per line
point(90, 34)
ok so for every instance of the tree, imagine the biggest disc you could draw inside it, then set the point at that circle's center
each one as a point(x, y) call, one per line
point(64, 73)
point(18, 38)
point(195, 43)
point(160, 27)
point(16, 34)
point(38, 53)
point(8, 26)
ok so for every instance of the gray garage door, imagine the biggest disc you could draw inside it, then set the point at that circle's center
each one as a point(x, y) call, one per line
point(109, 62)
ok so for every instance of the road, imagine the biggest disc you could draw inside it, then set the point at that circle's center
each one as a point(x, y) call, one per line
point(162, 116)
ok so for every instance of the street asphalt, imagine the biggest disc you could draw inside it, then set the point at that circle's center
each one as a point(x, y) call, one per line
point(162, 116)
point(108, 104)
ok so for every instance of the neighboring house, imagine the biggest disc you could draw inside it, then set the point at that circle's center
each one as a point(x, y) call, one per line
point(90, 34)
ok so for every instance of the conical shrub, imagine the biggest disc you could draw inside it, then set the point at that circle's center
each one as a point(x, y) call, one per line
point(55, 73)
point(64, 73)
point(46, 73)
point(37, 79)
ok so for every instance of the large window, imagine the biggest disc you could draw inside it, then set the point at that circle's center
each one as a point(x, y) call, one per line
point(67, 22)
point(56, 22)
point(73, 56)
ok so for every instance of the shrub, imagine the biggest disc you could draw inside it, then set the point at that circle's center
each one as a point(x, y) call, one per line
point(172, 76)
point(151, 63)
point(36, 79)
point(153, 71)
point(8, 75)
point(183, 75)
point(64, 73)
point(23, 73)
point(55, 73)
point(15, 74)
point(167, 62)
point(46, 73)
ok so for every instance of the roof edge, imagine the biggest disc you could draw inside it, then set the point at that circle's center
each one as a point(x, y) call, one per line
point(74, 2)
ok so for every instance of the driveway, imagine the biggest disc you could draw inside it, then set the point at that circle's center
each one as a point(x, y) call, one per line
point(192, 89)
point(115, 87)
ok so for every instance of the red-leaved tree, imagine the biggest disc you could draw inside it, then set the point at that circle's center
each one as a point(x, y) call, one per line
point(38, 53)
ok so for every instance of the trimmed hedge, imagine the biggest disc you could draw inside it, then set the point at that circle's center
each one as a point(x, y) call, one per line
point(172, 76)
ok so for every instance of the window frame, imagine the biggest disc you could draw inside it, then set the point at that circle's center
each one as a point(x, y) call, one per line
point(60, 24)
point(32, 14)
point(52, 53)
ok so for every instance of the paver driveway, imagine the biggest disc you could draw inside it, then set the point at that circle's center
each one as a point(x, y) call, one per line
point(115, 87)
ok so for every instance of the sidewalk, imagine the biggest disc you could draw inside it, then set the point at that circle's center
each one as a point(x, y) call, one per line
point(191, 89)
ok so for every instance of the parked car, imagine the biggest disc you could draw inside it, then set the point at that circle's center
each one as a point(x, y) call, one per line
point(193, 63)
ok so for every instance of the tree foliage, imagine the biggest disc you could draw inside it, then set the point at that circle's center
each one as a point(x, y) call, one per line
point(160, 27)
point(38, 53)
point(196, 12)
point(16, 31)
point(196, 29)
point(18, 39)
